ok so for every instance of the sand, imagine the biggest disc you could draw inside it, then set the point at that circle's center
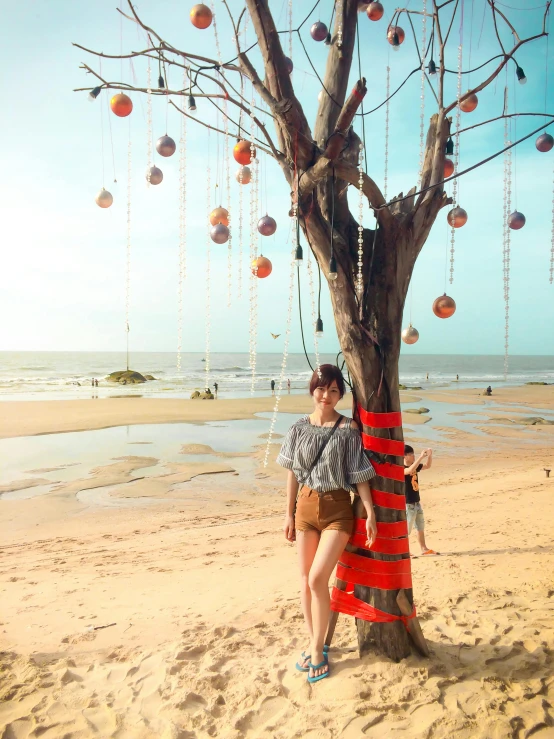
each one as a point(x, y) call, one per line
point(181, 619)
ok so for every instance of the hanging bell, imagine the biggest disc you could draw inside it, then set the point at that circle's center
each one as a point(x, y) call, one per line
point(410, 335)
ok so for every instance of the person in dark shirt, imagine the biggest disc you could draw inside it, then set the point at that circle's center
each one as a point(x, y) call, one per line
point(273, 387)
point(216, 386)
point(414, 511)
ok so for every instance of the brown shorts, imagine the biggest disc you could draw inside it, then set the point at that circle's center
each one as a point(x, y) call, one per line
point(324, 511)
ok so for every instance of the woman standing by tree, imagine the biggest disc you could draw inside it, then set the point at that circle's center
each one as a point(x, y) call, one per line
point(325, 458)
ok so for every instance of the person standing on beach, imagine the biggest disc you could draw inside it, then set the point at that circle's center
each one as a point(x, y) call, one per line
point(215, 388)
point(288, 386)
point(273, 387)
point(326, 461)
point(414, 511)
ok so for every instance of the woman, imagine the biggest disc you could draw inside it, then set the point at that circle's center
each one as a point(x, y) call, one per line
point(325, 458)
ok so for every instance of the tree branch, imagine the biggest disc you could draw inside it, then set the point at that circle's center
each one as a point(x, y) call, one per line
point(336, 141)
point(499, 117)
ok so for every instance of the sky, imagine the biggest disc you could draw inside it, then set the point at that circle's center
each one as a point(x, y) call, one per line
point(64, 263)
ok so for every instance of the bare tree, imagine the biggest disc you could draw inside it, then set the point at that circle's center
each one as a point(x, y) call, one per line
point(319, 166)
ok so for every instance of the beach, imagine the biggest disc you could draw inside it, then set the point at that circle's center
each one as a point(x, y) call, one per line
point(148, 590)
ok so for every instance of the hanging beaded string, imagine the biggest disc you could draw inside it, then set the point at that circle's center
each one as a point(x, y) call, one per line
point(359, 275)
point(552, 240)
point(339, 8)
point(254, 183)
point(422, 91)
point(148, 120)
point(506, 234)
point(182, 233)
point(227, 165)
point(387, 119)
point(128, 255)
point(312, 300)
point(208, 270)
point(239, 278)
point(285, 357)
point(456, 160)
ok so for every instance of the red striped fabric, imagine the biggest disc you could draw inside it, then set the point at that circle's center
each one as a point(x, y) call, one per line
point(388, 500)
point(372, 580)
point(380, 420)
point(375, 566)
point(383, 546)
point(349, 604)
point(385, 530)
point(383, 446)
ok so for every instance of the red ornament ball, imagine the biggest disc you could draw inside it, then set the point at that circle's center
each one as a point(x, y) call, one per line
point(516, 220)
point(318, 31)
point(375, 12)
point(448, 168)
point(267, 226)
point(242, 152)
point(544, 142)
point(201, 16)
point(469, 104)
point(261, 267)
point(457, 217)
point(444, 307)
point(395, 35)
point(121, 105)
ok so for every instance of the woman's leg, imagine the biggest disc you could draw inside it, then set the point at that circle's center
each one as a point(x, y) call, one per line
point(330, 548)
point(306, 544)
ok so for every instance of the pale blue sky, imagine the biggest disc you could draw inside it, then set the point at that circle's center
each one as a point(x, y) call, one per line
point(64, 258)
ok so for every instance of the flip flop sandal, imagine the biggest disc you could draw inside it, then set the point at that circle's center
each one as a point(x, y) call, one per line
point(431, 552)
point(304, 657)
point(317, 678)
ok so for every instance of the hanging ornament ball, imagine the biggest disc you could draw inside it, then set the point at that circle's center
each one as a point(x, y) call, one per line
point(261, 267)
point(242, 152)
point(410, 335)
point(444, 307)
point(545, 142)
point(201, 16)
point(165, 146)
point(219, 234)
point(318, 31)
point(267, 226)
point(516, 220)
point(154, 175)
point(243, 175)
point(469, 104)
point(104, 198)
point(219, 215)
point(395, 35)
point(289, 65)
point(448, 167)
point(375, 11)
point(121, 104)
point(457, 217)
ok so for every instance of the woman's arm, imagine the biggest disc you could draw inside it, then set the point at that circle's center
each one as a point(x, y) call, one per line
point(292, 492)
point(364, 491)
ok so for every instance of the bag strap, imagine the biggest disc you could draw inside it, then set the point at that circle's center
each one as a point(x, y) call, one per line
point(322, 447)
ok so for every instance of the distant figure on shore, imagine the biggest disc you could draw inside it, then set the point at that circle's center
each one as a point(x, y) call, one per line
point(457, 378)
point(215, 388)
point(488, 391)
point(96, 382)
point(427, 377)
point(414, 511)
point(288, 386)
point(273, 387)
point(92, 382)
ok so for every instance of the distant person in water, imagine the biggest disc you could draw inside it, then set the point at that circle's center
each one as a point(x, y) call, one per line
point(215, 388)
point(414, 511)
point(273, 387)
point(288, 386)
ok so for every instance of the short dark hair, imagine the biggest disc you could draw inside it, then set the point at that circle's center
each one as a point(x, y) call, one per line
point(327, 374)
point(408, 449)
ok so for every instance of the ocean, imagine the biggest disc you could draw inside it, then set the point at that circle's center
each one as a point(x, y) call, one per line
point(57, 375)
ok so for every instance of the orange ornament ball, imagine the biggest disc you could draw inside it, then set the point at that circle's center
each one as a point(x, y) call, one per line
point(375, 11)
point(242, 152)
point(261, 267)
point(444, 307)
point(121, 105)
point(469, 104)
point(448, 168)
point(219, 215)
point(201, 16)
point(457, 217)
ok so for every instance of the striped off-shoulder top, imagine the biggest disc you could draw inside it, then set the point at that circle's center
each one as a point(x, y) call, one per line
point(342, 464)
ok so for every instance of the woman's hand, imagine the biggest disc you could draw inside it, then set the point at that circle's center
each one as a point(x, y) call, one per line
point(288, 528)
point(371, 529)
